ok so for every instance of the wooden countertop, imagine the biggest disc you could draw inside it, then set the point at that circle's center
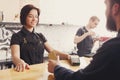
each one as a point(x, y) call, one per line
point(36, 72)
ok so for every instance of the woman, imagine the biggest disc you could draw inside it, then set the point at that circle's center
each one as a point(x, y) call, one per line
point(27, 46)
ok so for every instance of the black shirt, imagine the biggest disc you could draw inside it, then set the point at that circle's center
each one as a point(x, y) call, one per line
point(86, 45)
point(31, 45)
point(104, 66)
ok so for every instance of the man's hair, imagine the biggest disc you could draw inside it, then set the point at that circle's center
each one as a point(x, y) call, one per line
point(25, 11)
point(93, 18)
point(117, 1)
point(113, 2)
point(111, 24)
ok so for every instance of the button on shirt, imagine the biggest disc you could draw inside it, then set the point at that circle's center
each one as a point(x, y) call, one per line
point(31, 45)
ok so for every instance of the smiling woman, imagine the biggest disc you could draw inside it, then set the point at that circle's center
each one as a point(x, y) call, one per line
point(28, 46)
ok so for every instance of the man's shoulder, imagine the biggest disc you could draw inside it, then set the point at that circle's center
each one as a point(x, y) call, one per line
point(110, 49)
point(111, 45)
point(81, 29)
point(113, 41)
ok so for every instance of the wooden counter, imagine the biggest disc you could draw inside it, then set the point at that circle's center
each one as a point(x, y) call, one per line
point(36, 72)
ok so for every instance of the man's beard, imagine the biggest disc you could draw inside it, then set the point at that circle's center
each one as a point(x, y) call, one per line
point(111, 25)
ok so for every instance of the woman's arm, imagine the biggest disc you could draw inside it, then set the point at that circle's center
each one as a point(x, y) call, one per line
point(62, 55)
point(19, 63)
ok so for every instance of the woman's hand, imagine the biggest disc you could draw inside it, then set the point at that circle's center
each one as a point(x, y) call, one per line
point(21, 66)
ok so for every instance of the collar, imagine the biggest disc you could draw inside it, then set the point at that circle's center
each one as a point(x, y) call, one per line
point(26, 32)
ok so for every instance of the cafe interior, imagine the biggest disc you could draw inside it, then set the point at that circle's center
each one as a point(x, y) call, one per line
point(53, 22)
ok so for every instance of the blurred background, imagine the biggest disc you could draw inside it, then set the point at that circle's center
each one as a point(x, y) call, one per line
point(76, 12)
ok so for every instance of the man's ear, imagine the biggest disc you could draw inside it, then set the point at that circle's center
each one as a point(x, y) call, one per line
point(115, 9)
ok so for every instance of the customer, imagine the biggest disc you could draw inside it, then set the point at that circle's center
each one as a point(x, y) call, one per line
point(106, 62)
point(84, 38)
point(27, 46)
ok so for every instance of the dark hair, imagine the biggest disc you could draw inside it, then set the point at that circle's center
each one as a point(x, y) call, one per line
point(111, 25)
point(112, 2)
point(117, 1)
point(25, 11)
